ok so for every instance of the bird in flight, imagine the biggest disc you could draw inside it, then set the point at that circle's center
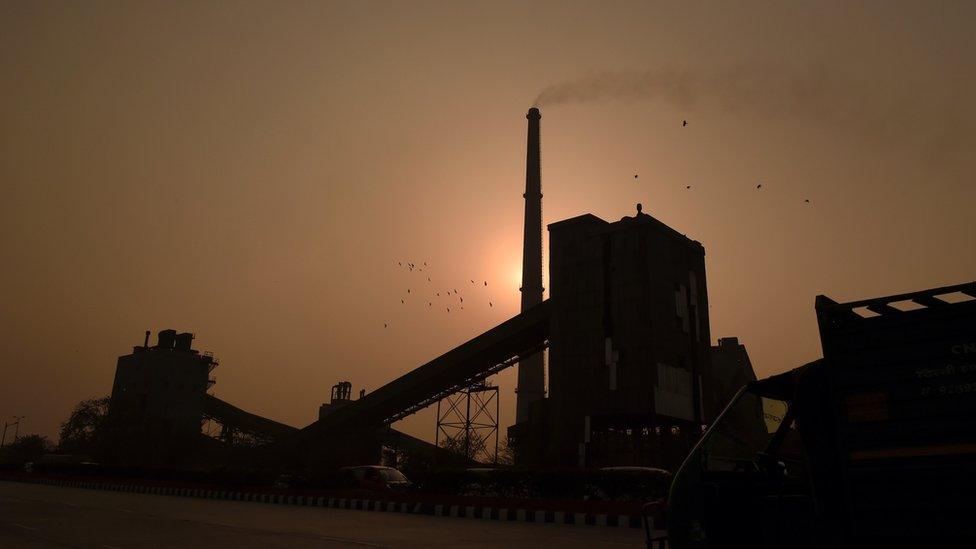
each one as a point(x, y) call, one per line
point(759, 186)
point(486, 283)
point(635, 176)
point(687, 186)
point(684, 123)
point(490, 304)
point(448, 309)
point(806, 201)
point(401, 301)
point(384, 325)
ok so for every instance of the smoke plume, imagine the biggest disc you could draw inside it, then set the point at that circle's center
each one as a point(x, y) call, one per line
point(940, 126)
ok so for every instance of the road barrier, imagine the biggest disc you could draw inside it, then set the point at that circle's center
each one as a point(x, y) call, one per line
point(515, 510)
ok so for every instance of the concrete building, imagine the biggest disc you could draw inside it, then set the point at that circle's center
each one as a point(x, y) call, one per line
point(729, 370)
point(160, 392)
point(629, 345)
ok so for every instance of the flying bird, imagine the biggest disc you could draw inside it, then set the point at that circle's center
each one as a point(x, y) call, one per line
point(438, 294)
point(401, 301)
point(429, 303)
point(490, 304)
point(759, 186)
point(688, 186)
point(807, 200)
point(408, 290)
point(448, 309)
point(428, 279)
point(486, 283)
point(684, 123)
point(635, 176)
point(472, 281)
point(384, 325)
point(462, 299)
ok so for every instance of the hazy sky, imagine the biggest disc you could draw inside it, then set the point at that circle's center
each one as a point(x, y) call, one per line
point(253, 172)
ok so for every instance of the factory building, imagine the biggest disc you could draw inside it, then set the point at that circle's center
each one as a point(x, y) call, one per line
point(160, 392)
point(730, 369)
point(629, 345)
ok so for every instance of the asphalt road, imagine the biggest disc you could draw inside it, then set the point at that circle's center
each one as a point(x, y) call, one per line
point(48, 516)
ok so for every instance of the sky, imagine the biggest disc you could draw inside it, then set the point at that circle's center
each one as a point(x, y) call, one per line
point(253, 172)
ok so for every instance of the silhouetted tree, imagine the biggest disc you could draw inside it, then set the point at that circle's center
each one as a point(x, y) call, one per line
point(25, 448)
point(83, 431)
point(506, 453)
point(477, 447)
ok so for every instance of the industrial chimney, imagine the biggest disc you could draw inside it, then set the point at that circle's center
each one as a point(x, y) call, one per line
point(531, 371)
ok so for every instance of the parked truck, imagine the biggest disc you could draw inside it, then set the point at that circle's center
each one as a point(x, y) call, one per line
point(874, 445)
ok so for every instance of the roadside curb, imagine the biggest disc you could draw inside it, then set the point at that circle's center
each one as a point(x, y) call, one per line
point(418, 508)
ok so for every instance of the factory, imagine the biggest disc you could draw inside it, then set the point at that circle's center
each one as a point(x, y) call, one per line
point(632, 374)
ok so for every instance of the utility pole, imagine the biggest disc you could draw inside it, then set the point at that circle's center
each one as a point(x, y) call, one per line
point(17, 427)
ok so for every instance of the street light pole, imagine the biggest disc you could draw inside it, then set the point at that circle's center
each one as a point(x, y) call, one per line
point(17, 427)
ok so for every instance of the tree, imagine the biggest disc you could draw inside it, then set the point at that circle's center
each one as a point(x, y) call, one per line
point(506, 452)
point(84, 429)
point(475, 449)
point(25, 448)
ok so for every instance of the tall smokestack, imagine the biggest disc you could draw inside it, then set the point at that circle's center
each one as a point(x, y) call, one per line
point(531, 372)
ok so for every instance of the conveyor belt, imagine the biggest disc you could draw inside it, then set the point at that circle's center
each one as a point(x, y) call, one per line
point(470, 362)
point(230, 415)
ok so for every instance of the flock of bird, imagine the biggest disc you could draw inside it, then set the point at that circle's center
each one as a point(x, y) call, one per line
point(454, 293)
point(450, 299)
point(688, 187)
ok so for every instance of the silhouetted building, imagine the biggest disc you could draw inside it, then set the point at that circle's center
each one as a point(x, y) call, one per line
point(730, 369)
point(160, 392)
point(629, 343)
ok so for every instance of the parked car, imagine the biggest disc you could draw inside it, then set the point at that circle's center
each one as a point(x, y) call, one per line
point(629, 484)
point(375, 478)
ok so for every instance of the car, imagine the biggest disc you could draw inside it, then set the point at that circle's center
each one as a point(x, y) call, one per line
point(375, 478)
point(626, 483)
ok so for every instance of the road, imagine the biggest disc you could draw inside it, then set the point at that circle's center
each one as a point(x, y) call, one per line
point(40, 516)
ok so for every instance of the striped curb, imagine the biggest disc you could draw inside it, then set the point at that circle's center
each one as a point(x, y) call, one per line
point(417, 508)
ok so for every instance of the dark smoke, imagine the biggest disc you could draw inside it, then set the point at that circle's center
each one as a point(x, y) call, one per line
point(940, 127)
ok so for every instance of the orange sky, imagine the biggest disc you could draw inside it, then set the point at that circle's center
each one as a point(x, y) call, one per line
point(252, 172)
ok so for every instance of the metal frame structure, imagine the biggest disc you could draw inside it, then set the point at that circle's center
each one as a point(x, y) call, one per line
point(477, 430)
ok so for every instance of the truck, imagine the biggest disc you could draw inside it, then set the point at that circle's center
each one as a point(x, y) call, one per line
point(873, 445)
